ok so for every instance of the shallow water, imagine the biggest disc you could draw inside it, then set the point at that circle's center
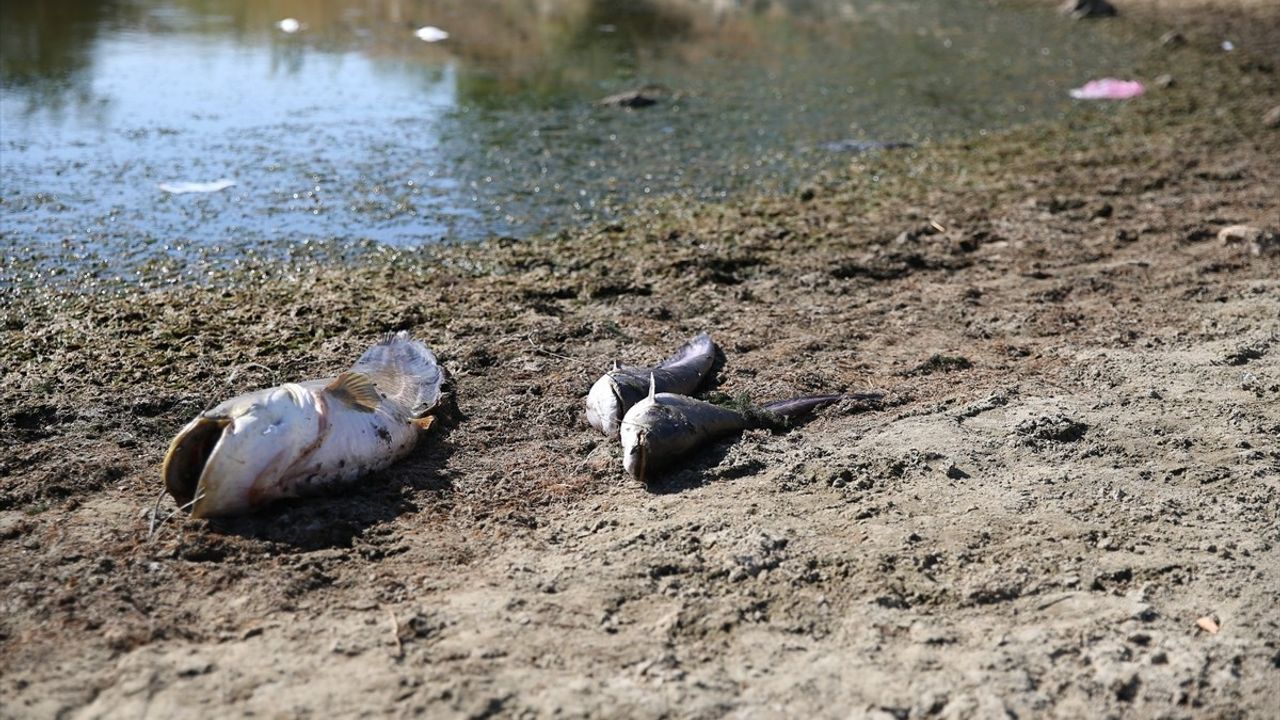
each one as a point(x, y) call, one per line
point(352, 133)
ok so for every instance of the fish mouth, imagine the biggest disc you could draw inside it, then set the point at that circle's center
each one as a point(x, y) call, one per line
point(189, 453)
point(637, 461)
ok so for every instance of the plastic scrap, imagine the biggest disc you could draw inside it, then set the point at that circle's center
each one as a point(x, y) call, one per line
point(431, 34)
point(1109, 89)
point(180, 188)
point(289, 25)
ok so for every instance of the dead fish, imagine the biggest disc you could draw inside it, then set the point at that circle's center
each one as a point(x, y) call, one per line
point(614, 394)
point(288, 440)
point(664, 426)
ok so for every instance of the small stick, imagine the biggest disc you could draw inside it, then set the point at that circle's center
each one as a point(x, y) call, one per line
point(155, 510)
point(236, 372)
point(156, 527)
point(541, 349)
point(395, 633)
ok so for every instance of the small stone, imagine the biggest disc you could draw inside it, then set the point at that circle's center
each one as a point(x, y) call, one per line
point(1051, 428)
point(640, 97)
point(1081, 9)
point(1173, 38)
point(1165, 81)
point(194, 667)
point(1268, 244)
point(1272, 117)
point(1239, 234)
point(1126, 686)
point(1260, 241)
point(13, 526)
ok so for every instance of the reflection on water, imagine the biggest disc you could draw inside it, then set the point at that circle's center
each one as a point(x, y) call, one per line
point(46, 51)
point(352, 129)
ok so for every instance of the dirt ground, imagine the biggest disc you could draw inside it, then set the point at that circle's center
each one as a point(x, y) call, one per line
point(1074, 480)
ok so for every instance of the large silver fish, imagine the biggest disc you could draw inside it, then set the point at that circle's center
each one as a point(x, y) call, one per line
point(621, 388)
point(664, 427)
point(287, 440)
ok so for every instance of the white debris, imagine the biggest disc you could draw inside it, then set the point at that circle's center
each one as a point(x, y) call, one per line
point(289, 25)
point(431, 34)
point(179, 188)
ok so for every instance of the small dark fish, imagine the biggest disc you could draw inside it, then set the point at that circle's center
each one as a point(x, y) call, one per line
point(663, 427)
point(614, 394)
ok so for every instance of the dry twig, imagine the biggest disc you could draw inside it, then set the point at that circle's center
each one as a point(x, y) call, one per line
point(395, 633)
point(157, 526)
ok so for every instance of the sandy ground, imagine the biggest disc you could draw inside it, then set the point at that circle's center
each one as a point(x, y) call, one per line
point(1054, 526)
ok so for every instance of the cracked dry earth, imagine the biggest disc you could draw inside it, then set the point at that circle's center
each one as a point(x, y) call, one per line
point(1066, 507)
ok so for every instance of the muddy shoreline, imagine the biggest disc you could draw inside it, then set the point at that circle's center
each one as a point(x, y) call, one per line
point(1036, 531)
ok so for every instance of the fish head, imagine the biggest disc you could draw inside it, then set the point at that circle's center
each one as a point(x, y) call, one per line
point(635, 457)
point(605, 406)
point(635, 444)
point(232, 457)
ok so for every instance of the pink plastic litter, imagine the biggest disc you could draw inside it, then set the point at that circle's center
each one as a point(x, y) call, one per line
point(1109, 89)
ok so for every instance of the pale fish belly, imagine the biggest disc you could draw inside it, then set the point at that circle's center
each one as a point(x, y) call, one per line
point(352, 443)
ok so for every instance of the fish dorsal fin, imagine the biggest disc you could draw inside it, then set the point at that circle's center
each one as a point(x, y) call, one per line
point(653, 386)
point(617, 365)
point(355, 389)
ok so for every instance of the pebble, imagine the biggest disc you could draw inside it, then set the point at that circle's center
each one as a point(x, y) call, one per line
point(1272, 117)
point(13, 526)
point(1260, 241)
point(640, 97)
point(1237, 234)
point(1165, 81)
point(1173, 38)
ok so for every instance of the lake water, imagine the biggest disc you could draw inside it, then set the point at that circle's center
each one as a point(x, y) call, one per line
point(352, 133)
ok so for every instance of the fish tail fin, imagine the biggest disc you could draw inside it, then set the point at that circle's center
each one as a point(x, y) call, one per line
point(796, 407)
point(405, 371)
point(701, 347)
